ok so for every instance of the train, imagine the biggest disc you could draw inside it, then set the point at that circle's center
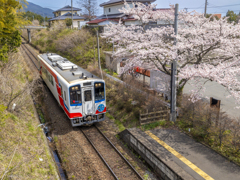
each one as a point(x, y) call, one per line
point(80, 93)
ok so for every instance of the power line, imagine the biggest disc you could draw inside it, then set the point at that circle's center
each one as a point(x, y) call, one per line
point(217, 6)
point(225, 6)
point(66, 2)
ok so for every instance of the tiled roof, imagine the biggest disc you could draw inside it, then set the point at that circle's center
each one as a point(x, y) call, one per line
point(68, 8)
point(96, 21)
point(218, 15)
point(117, 1)
point(111, 16)
point(130, 19)
point(67, 15)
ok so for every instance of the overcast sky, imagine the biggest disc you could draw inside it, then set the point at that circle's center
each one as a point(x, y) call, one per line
point(214, 6)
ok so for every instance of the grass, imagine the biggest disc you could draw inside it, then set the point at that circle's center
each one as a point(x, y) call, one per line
point(120, 125)
point(22, 140)
point(117, 122)
point(150, 126)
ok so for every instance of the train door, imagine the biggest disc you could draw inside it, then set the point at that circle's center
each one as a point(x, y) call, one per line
point(88, 103)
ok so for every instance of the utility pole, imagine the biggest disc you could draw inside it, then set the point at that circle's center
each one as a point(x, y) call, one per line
point(72, 13)
point(98, 51)
point(99, 63)
point(44, 19)
point(205, 11)
point(174, 70)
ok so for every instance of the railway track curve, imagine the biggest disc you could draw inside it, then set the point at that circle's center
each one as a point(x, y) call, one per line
point(116, 163)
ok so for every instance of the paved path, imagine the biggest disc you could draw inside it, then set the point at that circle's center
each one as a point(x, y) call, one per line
point(216, 91)
point(196, 159)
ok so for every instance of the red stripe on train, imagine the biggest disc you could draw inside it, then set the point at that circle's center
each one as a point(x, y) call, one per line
point(105, 109)
point(70, 115)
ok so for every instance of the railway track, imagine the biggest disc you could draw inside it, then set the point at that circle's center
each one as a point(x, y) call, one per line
point(117, 164)
point(29, 53)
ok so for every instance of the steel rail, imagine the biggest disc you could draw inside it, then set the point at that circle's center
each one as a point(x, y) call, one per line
point(100, 155)
point(30, 52)
point(26, 51)
point(119, 152)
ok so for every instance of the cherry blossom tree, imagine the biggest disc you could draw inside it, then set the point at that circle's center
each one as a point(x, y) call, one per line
point(206, 48)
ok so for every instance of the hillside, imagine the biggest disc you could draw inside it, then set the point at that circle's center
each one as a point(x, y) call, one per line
point(39, 10)
point(24, 152)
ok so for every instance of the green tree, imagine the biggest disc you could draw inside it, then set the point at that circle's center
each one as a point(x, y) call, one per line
point(30, 15)
point(68, 22)
point(10, 20)
point(232, 17)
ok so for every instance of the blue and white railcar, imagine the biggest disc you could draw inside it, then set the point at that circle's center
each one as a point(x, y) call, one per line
point(80, 93)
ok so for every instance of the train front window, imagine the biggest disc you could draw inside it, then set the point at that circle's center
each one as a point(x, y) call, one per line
point(75, 95)
point(99, 91)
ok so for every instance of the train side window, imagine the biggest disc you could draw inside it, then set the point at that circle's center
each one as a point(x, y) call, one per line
point(65, 95)
point(51, 79)
point(99, 91)
point(44, 73)
point(75, 95)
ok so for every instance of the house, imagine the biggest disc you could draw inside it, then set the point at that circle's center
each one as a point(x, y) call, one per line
point(66, 12)
point(111, 13)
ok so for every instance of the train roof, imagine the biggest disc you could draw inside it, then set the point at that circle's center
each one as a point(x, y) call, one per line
point(68, 70)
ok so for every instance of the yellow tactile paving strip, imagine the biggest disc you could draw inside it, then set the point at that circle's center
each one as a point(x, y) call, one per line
point(179, 156)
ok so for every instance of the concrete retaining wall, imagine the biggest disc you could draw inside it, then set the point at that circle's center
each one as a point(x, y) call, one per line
point(166, 170)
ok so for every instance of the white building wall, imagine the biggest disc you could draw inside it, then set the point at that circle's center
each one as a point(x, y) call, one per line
point(137, 22)
point(107, 22)
point(114, 9)
point(160, 82)
point(81, 23)
point(163, 22)
point(64, 12)
point(112, 63)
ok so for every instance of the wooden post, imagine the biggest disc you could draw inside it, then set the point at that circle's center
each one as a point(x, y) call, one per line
point(147, 114)
point(143, 80)
point(154, 114)
point(29, 35)
point(140, 116)
point(214, 103)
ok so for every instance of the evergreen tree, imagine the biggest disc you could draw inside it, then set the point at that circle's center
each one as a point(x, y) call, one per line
point(10, 20)
point(232, 17)
point(68, 22)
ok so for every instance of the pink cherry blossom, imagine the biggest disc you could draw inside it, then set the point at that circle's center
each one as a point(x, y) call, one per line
point(206, 48)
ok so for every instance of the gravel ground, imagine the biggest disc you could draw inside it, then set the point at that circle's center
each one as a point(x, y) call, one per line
point(79, 158)
point(111, 131)
point(117, 164)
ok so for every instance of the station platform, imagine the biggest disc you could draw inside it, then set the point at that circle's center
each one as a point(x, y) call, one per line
point(174, 155)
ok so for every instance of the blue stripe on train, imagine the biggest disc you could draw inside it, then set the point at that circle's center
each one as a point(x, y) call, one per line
point(99, 100)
